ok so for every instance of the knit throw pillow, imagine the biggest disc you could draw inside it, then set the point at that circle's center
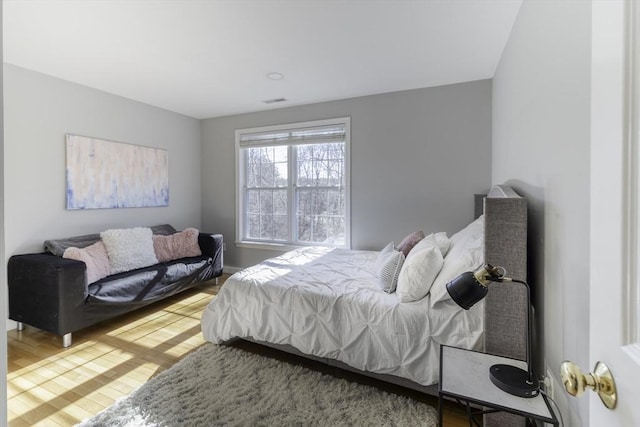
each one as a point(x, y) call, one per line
point(129, 248)
point(410, 241)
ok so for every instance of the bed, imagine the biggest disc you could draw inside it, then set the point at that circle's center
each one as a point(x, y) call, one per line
point(326, 304)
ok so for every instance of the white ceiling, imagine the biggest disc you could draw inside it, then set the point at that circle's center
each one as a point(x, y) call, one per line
point(210, 58)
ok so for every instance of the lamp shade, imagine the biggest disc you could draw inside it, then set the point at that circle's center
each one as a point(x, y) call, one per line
point(466, 290)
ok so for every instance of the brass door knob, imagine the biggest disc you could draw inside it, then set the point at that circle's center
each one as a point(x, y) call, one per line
point(600, 380)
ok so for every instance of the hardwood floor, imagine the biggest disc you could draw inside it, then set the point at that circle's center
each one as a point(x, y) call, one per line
point(48, 385)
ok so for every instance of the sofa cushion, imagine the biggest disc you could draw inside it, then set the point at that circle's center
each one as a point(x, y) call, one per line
point(95, 257)
point(183, 244)
point(150, 283)
point(129, 248)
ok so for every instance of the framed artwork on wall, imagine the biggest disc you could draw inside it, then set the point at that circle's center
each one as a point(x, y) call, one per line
point(104, 174)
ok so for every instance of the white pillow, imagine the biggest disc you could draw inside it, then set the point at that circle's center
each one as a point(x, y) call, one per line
point(129, 248)
point(443, 242)
point(388, 267)
point(420, 268)
point(465, 254)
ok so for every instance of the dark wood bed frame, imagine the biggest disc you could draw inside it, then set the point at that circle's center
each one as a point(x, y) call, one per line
point(505, 244)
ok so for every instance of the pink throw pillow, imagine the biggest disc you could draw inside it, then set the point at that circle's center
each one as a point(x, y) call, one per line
point(95, 257)
point(178, 245)
point(410, 241)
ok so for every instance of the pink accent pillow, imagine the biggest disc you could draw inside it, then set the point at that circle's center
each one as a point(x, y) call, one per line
point(95, 257)
point(410, 241)
point(178, 245)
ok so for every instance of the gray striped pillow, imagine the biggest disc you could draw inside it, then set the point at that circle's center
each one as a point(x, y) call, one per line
point(388, 266)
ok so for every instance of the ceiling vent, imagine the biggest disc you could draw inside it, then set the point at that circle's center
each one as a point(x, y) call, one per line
point(273, 101)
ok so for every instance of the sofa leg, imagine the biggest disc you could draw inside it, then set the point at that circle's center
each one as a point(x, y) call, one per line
point(66, 340)
point(217, 280)
point(20, 327)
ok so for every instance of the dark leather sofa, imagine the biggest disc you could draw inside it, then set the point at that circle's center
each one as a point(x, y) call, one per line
point(51, 293)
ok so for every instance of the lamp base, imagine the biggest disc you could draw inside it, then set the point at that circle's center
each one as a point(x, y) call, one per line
point(513, 380)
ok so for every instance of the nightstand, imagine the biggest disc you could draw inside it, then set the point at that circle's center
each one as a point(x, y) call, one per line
point(464, 376)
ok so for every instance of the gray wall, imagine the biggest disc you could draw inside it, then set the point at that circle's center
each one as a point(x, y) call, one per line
point(38, 111)
point(541, 134)
point(417, 157)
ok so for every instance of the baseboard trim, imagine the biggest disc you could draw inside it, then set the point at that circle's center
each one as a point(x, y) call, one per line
point(11, 325)
point(228, 269)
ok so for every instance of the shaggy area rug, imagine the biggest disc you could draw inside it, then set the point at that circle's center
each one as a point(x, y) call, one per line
point(219, 385)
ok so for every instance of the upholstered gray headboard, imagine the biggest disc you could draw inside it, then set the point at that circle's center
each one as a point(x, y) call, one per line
point(505, 245)
point(506, 303)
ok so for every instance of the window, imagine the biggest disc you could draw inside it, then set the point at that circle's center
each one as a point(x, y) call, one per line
point(293, 184)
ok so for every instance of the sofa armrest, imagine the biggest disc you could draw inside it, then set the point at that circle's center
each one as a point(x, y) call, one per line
point(45, 291)
point(212, 245)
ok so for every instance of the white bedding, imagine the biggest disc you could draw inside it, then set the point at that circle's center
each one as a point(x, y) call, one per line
point(327, 302)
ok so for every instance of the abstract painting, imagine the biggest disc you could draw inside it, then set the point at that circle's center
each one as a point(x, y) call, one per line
point(105, 174)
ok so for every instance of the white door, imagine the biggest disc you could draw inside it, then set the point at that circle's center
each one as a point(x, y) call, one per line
point(614, 304)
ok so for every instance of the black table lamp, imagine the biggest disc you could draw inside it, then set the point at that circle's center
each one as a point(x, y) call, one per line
point(469, 288)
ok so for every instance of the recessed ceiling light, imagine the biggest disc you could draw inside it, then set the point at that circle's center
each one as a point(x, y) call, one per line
point(275, 76)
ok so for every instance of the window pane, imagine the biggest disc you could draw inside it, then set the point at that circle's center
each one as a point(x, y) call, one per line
point(274, 227)
point(337, 233)
point(320, 215)
point(304, 200)
point(280, 202)
point(320, 165)
point(281, 159)
point(280, 227)
point(266, 167)
point(267, 213)
point(253, 226)
point(266, 227)
point(267, 173)
point(304, 228)
point(335, 202)
point(253, 201)
point(335, 164)
point(266, 201)
point(252, 167)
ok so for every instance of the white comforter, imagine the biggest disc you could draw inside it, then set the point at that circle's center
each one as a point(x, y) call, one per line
point(326, 302)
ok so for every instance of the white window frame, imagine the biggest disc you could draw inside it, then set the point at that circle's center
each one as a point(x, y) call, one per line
point(240, 184)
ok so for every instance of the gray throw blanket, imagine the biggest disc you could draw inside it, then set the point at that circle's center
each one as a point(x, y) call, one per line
point(57, 246)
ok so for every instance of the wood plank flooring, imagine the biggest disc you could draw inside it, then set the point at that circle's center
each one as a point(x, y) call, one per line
point(48, 385)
